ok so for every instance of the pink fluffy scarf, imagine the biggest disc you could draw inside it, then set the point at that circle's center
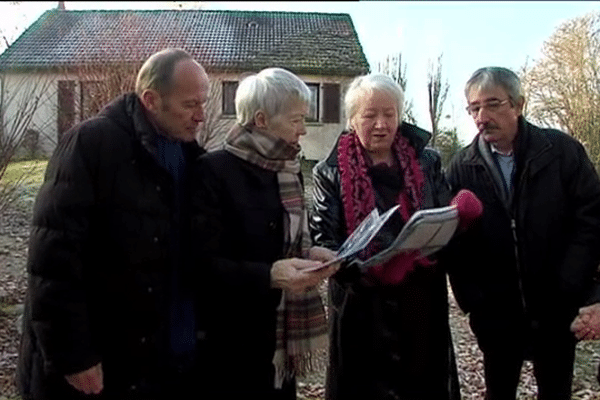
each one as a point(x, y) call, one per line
point(358, 198)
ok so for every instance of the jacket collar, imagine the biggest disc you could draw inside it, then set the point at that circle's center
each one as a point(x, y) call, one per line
point(529, 142)
point(417, 137)
point(128, 112)
point(488, 159)
point(144, 129)
point(532, 144)
point(531, 150)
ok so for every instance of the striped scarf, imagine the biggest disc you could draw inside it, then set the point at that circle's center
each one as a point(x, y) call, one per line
point(301, 329)
point(358, 198)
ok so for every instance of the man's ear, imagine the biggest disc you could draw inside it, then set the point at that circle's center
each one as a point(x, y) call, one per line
point(520, 105)
point(151, 100)
point(260, 119)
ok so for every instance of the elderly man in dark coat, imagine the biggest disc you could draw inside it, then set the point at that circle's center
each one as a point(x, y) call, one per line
point(109, 308)
point(525, 270)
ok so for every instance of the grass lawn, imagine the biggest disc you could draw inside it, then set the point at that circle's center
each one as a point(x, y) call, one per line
point(31, 172)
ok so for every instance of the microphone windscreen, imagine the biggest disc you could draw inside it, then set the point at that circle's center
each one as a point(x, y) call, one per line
point(469, 207)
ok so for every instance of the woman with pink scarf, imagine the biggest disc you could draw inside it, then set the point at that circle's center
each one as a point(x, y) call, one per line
point(390, 337)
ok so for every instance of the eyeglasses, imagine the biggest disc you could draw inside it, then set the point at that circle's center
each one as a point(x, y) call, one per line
point(492, 105)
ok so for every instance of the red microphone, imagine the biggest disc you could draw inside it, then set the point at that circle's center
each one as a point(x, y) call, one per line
point(469, 208)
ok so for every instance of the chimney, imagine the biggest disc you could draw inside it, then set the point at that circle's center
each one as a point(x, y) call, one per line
point(61, 5)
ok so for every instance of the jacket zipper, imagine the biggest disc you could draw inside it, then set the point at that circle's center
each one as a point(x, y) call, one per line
point(513, 225)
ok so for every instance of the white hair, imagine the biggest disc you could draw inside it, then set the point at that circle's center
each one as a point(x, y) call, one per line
point(369, 83)
point(271, 91)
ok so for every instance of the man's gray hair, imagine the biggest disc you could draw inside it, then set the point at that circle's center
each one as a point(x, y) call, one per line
point(491, 77)
point(157, 71)
point(271, 91)
point(369, 83)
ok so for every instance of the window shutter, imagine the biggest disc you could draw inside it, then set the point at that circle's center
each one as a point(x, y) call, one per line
point(331, 102)
point(66, 106)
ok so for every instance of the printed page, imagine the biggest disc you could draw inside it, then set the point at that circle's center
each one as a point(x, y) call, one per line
point(361, 236)
point(426, 231)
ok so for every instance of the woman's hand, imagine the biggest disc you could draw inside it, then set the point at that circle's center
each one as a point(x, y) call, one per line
point(90, 381)
point(289, 274)
point(323, 254)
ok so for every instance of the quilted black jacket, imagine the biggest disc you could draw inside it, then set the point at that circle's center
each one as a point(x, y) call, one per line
point(533, 255)
point(99, 259)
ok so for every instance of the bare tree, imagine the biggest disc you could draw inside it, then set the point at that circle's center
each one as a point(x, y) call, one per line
point(563, 86)
point(392, 66)
point(448, 144)
point(95, 82)
point(101, 75)
point(212, 133)
point(10, 28)
point(100, 83)
point(21, 122)
point(523, 73)
point(437, 93)
point(21, 97)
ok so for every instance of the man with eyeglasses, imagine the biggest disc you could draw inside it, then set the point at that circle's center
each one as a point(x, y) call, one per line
point(526, 268)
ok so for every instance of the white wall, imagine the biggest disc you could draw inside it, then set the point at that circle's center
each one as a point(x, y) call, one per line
point(321, 137)
point(22, 90)
point(27, 93)
point(316, 144)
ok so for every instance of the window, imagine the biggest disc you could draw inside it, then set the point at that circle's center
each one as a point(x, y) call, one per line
point(229, 89)
point(313, 109)
point(324, 104)
point(328, 103)
point(91, 101)
point(78, 101)
point(331, 103)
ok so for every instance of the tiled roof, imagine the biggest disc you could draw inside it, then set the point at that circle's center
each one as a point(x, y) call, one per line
point(308, 43)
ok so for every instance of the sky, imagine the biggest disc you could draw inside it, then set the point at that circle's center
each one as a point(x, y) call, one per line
point(467, 34)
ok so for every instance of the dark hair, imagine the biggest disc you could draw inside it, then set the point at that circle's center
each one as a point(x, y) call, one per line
point(489, 77)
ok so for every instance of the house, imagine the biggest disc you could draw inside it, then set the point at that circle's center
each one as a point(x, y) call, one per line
point(70, 54)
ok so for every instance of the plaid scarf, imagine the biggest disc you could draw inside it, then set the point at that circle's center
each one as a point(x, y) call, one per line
point(358, 198)
point(301, 329)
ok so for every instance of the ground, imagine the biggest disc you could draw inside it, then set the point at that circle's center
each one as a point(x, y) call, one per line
point(14, 232)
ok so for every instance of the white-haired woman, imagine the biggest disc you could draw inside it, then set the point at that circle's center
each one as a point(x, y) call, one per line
point(390, 334)
point(265, 321)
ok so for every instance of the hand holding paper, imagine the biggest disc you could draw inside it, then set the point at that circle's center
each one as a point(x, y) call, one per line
point(426, 231)
point(361, 236)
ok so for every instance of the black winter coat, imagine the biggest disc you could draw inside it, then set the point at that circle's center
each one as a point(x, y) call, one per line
point(99, 261)
point(530, 261)
point(243, 204)
point(386, 342)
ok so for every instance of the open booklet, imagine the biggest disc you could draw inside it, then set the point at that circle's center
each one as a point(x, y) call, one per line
point(426, 231)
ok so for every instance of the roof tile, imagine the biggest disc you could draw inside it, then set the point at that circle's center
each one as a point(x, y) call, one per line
point(304, 42)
